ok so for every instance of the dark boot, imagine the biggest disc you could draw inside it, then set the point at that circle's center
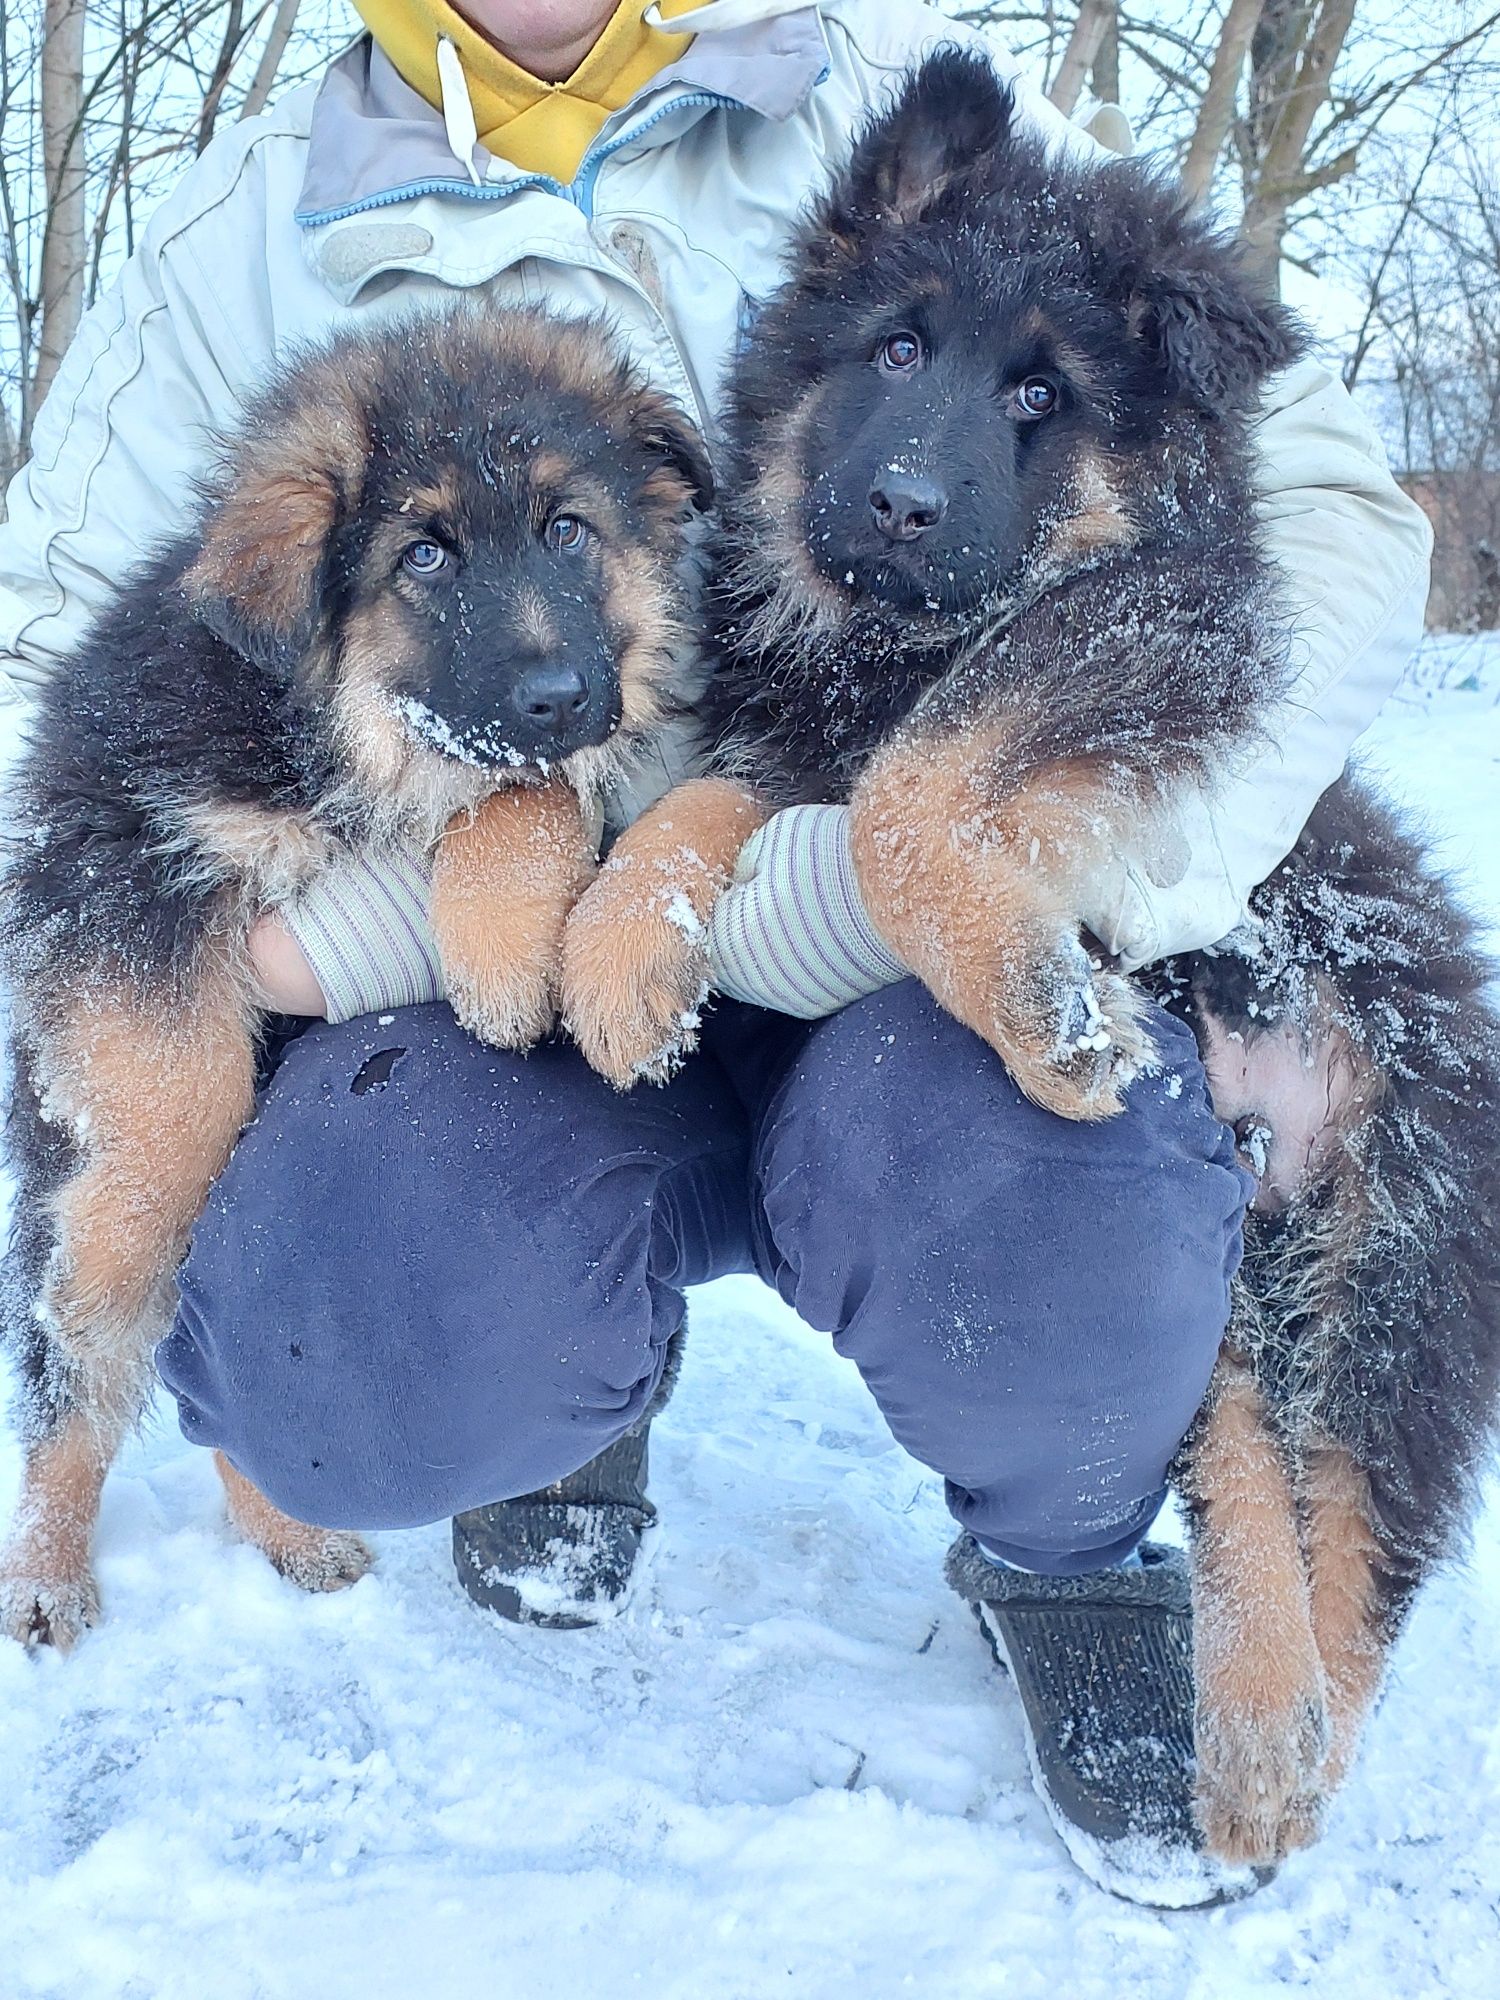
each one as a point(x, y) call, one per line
point(565, 1556)
point(1103, 1664)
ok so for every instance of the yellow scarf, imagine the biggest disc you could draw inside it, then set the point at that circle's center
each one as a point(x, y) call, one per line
point(543, 128)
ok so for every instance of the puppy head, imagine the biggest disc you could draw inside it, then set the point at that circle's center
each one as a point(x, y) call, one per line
point(464, 535)
point(977, 340)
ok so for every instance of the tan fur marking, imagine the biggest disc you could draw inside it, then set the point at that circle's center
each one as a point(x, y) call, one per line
point(411, 788)
point(47, 1591)
point(776, 495)
point(635, 965)
point(441, 500)
point(263, 541)
point(534, 622)
point(639, 603)
point(1097, 519)
point(504, 879)
point(1343, 1560)
point(276, 853)
point(312, 1558)
point(158, 1098)
point(550, 470)
point(1261, 1729)
point(980, 893)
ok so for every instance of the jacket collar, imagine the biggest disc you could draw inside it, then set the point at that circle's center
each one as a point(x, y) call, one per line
point(374, 141)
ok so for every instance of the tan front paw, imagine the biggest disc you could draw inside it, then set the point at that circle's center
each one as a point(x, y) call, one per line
point(1069, 1032)
point(1261, 1778)
point(635, 977)
point(505, 1001)
point(503, 880)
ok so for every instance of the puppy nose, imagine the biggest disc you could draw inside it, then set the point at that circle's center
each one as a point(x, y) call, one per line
point(551, 696)
point(906, 507)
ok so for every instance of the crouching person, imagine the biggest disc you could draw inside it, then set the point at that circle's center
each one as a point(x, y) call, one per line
point(439, 1280)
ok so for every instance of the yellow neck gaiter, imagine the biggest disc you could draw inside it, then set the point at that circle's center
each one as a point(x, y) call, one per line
point(542, 128)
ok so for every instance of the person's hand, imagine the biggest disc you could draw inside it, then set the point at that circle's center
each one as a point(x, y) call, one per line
point(284, 978)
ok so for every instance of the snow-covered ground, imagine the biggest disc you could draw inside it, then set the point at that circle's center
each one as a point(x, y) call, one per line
point(788, 1769)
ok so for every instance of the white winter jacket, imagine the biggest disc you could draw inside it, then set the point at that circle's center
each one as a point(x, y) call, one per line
point(354, 198)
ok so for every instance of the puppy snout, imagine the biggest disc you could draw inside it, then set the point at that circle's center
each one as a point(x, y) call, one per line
point(905, 507)
point(551, 697)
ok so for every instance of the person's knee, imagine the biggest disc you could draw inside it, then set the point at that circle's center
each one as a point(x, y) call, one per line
point(1036, 1304)
point(393, 1309)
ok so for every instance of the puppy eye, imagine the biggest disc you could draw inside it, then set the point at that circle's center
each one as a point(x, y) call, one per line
point(1036, 397)
point(901, 353)
point(425, 558)
point(567, 534)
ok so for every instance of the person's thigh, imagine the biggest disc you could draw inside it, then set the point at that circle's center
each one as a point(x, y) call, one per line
point(1036, 1304)
point(436, 1274)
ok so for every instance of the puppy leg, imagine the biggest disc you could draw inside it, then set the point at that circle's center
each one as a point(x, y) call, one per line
point(48, 1596)
point(154, 1091)
point(1261, 1729)
point(1344, 1564)
point(635, 957)
point(504, 879)
point(980, 898)
point(312, 1558)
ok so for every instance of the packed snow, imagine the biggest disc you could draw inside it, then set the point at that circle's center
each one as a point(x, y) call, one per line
point(789, 1767)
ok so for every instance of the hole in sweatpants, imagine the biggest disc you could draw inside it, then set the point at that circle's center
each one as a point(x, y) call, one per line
point(376, 1073)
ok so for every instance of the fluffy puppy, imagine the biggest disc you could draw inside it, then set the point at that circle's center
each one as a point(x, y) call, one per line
point(439, 587)
point(989, 572)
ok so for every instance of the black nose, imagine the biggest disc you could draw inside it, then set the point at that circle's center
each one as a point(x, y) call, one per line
point(906, 507)
point(550, 697)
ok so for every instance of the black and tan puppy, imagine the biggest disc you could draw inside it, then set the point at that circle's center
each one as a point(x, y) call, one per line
point(989, 572)
point(440, 580)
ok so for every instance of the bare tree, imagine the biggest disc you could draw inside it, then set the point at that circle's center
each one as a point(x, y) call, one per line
point(64, 254)
point(1095, 18)
point(101, 104)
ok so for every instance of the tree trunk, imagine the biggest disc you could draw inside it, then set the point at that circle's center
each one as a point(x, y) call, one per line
point(65, 240)
point(1216, 112)
point(1290, 101)
point(262, 83)
point(1094, 17)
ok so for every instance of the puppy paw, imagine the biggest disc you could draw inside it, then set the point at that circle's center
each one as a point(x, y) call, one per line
point(320, 1558)
point(1260, 1792)
point(1070, 1032)
point(505, 1001)
point(42, 1608)
point(635, 977)
point(503, 880)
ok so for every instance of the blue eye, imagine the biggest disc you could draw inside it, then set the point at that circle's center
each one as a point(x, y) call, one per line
point(425, 558)
point(567, 534)
point(1036, 397)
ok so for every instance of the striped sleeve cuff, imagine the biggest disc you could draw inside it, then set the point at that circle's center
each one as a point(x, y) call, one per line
point(363, 927)
point(792, 933)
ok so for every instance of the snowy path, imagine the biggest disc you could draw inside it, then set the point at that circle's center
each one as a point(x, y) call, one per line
point(789, 1769)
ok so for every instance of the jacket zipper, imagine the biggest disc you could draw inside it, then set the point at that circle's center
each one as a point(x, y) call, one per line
point(580, 193)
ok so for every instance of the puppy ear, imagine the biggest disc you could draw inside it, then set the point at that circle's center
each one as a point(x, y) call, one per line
point(660, 427)
point(953, 114)
point(1204, 326)
point(258, 581)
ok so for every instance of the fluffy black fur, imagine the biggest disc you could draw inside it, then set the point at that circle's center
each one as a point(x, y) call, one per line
point(1370, 1303)
point(1005, 264)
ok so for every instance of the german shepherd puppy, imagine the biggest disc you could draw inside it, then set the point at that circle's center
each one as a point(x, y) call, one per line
point(989, 571)
point(440, 580)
